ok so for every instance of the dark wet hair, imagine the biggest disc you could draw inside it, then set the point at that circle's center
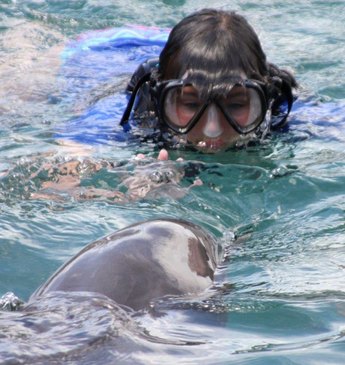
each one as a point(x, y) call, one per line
point(212, 50)
point(212, 45)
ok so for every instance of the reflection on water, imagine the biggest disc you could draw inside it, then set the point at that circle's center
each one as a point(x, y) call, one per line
point(88, 327)
point(73, 324)
point(278, 207)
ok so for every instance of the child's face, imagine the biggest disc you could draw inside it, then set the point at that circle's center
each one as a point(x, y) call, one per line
point(212, 130)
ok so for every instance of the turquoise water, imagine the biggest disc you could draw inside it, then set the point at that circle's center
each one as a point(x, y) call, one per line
point(280, 295)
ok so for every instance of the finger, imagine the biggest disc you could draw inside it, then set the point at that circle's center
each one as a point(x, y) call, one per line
point(163, 155)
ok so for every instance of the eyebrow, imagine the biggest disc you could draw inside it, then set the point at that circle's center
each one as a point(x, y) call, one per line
point(191, 91)
point(237, 93)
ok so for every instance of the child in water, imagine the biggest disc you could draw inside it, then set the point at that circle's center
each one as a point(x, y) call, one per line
point(212, 87)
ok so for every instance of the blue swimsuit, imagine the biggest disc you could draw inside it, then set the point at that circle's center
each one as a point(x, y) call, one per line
point(101, 63)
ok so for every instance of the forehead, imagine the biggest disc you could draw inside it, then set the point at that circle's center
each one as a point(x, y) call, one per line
point(234, 91)
point(230, 76)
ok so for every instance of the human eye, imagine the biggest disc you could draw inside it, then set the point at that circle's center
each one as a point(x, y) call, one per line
point(237, 105)
point(190, 102)
point(237, 98)
point(237, 108)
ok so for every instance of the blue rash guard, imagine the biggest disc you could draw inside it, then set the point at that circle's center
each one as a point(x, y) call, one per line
point(96, 68)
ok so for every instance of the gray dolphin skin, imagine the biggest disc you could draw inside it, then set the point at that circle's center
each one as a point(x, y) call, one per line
point(142, 262)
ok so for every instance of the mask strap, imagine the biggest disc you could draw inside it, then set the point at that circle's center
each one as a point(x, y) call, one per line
point(129, 107)
point(284, 97)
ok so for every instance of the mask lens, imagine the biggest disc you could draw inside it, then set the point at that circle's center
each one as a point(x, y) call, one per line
point(243, 106)
point(181, 104)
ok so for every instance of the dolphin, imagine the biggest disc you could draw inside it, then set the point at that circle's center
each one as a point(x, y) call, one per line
point(140, 263)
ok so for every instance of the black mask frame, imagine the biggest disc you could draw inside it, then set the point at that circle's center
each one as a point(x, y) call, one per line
point(160, 90)
point(280, 104)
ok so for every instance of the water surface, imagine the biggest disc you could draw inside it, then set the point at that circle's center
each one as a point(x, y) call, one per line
point(280, 295)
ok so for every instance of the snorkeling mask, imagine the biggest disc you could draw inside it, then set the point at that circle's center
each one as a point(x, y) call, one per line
point(180, 105)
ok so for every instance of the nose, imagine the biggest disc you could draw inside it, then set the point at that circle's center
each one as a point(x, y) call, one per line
point(213, 126)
